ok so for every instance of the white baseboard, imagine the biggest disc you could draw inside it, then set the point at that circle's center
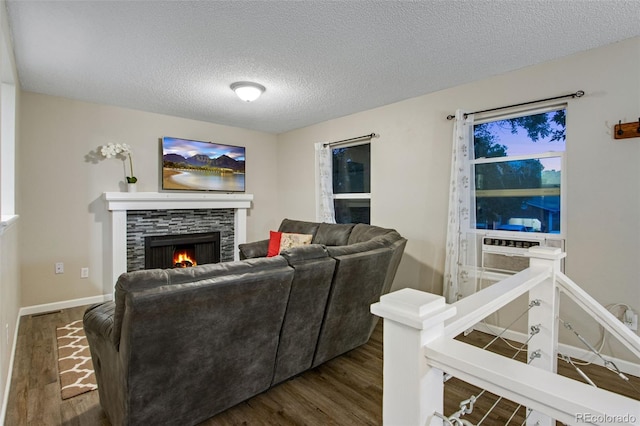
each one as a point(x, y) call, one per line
point(39, 309)
point(56, 306)
point(627, 367)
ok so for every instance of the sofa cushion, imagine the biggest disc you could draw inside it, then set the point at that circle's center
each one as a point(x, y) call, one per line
point(305, 252)
point(279, 241)
point(290, 240)
point(298, 227)
point(357, 283)
point(355, 248)
point(305, 309)
point(362, 232)
point(332, 234)
point(274, 243)
point(383, 240)
point(152, 278)
point(130, 281)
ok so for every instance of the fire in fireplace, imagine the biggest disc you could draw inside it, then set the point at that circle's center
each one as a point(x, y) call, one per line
point(181, 251)
point(184, 258)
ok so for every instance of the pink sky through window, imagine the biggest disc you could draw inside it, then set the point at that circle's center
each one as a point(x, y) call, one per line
point(521, 144)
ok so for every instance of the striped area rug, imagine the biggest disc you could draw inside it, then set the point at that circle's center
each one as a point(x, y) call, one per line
point(74, 361)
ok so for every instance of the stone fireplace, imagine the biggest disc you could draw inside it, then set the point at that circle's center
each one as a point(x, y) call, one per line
point(144, 226)
point(137, 216)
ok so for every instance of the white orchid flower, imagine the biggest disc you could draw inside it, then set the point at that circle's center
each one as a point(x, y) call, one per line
point(112, 150)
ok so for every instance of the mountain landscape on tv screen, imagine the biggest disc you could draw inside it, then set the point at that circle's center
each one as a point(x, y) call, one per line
point(175, 161)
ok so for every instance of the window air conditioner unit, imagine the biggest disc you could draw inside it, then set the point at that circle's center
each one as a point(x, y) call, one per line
point(507, 254)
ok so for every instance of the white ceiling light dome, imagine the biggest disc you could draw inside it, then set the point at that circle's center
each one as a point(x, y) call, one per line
point(248, 91)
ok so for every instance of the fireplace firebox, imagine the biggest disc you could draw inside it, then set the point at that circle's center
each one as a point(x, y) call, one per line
point(182, 250)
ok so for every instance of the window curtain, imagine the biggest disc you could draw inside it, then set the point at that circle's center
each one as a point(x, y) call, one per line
point(460, 273)
point(325, 211)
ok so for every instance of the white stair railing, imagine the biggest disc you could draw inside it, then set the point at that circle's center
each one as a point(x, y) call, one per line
point(419, 345)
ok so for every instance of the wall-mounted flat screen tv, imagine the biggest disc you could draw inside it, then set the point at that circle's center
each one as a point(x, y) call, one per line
point(190, 165)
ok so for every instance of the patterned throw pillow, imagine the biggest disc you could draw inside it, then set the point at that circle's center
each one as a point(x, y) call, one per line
point(279, 241)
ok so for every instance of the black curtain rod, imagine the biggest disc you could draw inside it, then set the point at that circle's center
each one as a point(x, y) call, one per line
point(371, 136)
point(578, 94)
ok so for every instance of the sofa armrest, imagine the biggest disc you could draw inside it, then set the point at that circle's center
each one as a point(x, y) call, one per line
point(254, 249)
point(98, 319)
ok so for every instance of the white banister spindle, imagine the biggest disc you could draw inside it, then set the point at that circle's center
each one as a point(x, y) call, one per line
point(412, 390)
point(543, 344)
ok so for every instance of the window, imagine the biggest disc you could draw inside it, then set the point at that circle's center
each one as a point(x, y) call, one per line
point(518, 172)
point(7, 149)
point(7, 136)
point(352, 183)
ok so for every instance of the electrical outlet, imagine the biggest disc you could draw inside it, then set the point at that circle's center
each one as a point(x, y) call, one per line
point(84, 272)
point(59, 268)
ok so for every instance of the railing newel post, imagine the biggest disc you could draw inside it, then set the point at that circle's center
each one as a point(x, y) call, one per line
point(543, 344)
point(412, 390)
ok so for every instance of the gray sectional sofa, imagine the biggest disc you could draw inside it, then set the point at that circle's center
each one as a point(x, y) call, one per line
point(178, 346)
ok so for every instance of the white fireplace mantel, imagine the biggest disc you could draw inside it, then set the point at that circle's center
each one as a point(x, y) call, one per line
point(118, 203)
point(168, 200)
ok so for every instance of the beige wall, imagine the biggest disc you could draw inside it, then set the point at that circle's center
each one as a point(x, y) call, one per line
point(62, 178)
point(411, 167)
point(9, 300)
point(9, 262)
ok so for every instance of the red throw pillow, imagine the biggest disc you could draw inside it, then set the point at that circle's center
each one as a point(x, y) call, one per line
point(274, 243)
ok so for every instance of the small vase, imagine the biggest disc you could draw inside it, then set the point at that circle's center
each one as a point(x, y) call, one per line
point(132, 187)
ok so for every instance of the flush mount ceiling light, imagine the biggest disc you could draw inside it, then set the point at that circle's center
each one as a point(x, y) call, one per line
point(248, 91)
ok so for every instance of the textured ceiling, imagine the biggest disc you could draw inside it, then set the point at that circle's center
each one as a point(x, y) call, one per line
point(318, 59)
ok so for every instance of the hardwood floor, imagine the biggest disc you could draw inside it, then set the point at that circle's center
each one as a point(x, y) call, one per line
point(34, 398)
point(343, 391)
